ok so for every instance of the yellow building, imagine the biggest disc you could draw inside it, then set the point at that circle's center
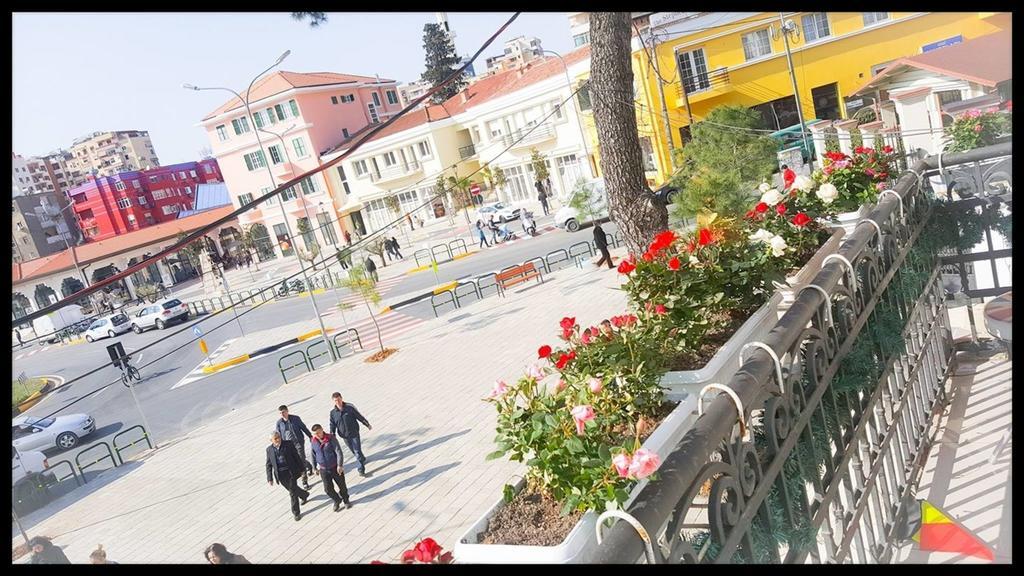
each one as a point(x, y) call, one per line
point(708, 59)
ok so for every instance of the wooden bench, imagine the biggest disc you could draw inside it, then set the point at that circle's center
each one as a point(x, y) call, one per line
point(517, 274)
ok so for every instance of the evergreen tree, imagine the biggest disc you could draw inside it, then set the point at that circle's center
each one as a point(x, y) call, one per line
point(441, 61)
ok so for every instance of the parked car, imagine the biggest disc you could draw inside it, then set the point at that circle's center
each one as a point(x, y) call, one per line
point(569, 218)
point(59, 432)
point(107, 327)
point(500, 211)
point(160, 315)
point(667, 194)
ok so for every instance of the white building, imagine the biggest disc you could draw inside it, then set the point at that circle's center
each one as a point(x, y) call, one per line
point(518, 52)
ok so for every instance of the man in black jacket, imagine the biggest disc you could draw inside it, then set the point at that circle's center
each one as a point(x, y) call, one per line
point(291, 428)
point(601, 241)
point(329, 460)
point(345, 421)
point(285, 466)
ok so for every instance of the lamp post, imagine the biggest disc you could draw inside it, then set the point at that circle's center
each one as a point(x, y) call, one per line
point(579, 120)
point(273, 181)
point(784, 26)
point(64, 237)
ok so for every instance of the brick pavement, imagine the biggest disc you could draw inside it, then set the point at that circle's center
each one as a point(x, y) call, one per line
point(426, 451)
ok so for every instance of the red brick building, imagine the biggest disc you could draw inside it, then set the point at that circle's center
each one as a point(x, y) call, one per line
point(106, 206)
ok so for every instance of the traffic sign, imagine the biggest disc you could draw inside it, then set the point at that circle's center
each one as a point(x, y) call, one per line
point(22, 378)
point(197, 331)
point(474, 189)
point(202, 346)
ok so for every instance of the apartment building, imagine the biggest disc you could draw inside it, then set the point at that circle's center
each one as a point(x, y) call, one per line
point(41, 225)
point(106, 206)
point(297, 116)
point(499, 119)
point(518, 51)
point(108, 153)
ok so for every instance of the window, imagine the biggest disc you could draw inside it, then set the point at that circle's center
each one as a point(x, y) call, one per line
point(556, 108)
point(173, 177)
point(275, 154)
point(345, 98)
point(124, 203)
point(182, 175)
point(131, 219)
point(392, 97)
point(192, 173)
point(583, 96)
point(826, 101)
point(271, 115)
point(424, 148)
point(815, 26)
point(153, 179)
point(188, 190)
point(289, 194)
point(334, 99)
point(208, 169)
point(376, 99)
point(693, 68)
point(159, 194)
point(309, 236)
point(294, 106)
point(119, 185)
point(222, 133)
point(270, 201)
point(142, 201)
point(756, 44)
point(874, 17)
point(374, 119)
point(581, 39)
point(255, 160)
point(324, 219)
point(344, 132)
point(389, 159)
point(300, 148)
point(170, 209)
point(241, 125)
point(244, 199)
point(360, 167)
point(344, 179)
point(258, 118)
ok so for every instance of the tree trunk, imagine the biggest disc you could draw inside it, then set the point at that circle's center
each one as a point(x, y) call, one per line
point(380, 339)
point(633, 206)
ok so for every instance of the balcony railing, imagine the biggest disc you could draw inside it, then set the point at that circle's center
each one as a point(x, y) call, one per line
point(529, 135)
point(711, 80)
point(842, 413)
point(397, 171)
point(467, 152)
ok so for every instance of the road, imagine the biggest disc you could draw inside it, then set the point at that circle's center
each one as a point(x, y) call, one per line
point(175, 403)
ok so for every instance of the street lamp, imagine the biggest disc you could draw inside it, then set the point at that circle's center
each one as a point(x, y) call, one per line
point(74, 257)
point(579, 120)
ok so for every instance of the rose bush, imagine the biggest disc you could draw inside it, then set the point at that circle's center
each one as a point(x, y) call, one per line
point(845, 183)
point(974, 129)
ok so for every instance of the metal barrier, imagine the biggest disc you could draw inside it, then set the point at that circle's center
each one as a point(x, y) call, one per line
point(543, 264)
point(285, 369)
point(110, 454)
point(309, 352)
point(78, 480)
point(458, 298)
point(220, 302)
point(433, 251)
point(451, 300)
point(462, 246)
point(193, 308)
point(552, 253)
point(480, 287)
point(590, 250)
point(337, 347)
point(426, 254)
point(119, 449)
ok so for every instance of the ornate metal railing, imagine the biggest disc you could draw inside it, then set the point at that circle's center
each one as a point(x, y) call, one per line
point(832, 438)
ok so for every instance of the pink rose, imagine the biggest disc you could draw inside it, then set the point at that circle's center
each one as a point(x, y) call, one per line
point(978, 128)
point(585, 338)
point(643, 464)
point(660, 309)
point(621, 464)
point(582, 415)
point(560, 385)
point(535, 372)
point(500, 388)
point(595, 385)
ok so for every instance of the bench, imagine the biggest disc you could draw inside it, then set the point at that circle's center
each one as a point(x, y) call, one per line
point(517, 274)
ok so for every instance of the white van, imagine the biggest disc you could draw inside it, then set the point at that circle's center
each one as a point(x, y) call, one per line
point(569, 218)
point(48, 326)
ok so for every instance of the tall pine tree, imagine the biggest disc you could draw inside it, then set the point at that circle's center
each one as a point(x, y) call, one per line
point(441, 61)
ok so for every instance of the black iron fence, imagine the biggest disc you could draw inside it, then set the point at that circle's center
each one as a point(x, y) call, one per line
point(815, 457)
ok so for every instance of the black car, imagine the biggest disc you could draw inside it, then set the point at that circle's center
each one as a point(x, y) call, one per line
point(666, 194)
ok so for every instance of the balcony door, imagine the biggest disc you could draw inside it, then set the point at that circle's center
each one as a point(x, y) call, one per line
point(693, 68)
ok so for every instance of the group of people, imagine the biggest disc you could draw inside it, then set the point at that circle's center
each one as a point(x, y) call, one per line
point(44, 551)
point(391, 247)
point(286, 455)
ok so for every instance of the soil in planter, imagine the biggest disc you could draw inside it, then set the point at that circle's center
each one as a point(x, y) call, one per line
point(532, 519)
point(730, 320)
point(381, 356)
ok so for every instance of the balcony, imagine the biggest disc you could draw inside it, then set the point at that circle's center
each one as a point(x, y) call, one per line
point(467, 152)
point(529, 136)
point(703, 86)
point(397, 172)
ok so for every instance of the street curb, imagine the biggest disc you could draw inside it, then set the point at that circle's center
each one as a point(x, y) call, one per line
point(263, 351)
point(445, 287)
point(452, 259)
point(222, 365)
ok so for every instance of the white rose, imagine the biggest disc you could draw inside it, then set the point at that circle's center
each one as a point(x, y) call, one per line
point(761, 235)
point(803, 183)
point(771, 197)
point(778, 244)
point(764, 187)
point(827, 193)
point(693, 259)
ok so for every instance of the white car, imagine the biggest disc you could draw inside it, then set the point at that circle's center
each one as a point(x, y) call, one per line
point(569, 218)
point(60, 432)
point(25, 462)
point(107, 327)
point(159, 315)
point(501, 212)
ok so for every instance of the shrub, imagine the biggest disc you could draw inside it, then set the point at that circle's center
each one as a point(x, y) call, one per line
point(974, 129)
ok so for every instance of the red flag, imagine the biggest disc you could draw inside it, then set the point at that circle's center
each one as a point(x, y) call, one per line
point(940, 533)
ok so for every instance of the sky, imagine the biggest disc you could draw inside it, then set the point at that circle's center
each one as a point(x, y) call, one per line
point(78, 73)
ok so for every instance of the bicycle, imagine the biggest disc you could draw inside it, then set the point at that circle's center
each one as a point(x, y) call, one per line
point(129, 373)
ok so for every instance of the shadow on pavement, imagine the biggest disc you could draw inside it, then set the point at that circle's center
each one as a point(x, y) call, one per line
point(68, 492)
point(411, 482)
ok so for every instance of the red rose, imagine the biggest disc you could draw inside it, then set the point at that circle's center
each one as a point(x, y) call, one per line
point(426, 550)
point(585, 337)
point(887, 149)
point(761, 208)
point(780, 209)
point(801, 219)
point(566, 333)
point(409, 556)
point(625, 267)
point(660, 309)
point(704, 237)
point(544, 351)
point(674, 263)
point(564, 359)
point(750, 215)
point(859, 150)
point(379, 562)
point(883, 175)
point(647, 257)
point(568, 323)
point(617, 321)
point(663, 240)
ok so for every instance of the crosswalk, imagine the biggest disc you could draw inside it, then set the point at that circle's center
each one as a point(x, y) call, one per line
point(197, 372)
point(34, 350)
point(392, 325)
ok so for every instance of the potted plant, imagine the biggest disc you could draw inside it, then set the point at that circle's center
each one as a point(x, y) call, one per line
point(851, 184)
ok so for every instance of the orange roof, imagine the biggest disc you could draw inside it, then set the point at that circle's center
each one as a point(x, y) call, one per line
point(104, 249)
point(284, 81)
point(483, 90)
point(984, 60)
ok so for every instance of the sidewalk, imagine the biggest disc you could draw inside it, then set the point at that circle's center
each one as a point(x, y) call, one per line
point(425, 453)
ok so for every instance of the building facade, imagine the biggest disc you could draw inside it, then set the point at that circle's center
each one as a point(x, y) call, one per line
point(41, 225)
point(109, 153)
point(106, 206)
point(296, 115)
point(518, 51)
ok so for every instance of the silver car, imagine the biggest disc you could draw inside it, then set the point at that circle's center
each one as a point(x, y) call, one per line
point(107, 327)
point(60, 432)
point(159, 315)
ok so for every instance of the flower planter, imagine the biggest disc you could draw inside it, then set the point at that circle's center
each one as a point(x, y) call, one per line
point(726, 362)
point(848, 220)
point(809, 270)
point(580, 546)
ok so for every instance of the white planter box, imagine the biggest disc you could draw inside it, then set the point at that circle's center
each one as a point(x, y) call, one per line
point(809, 270)
point(848, 220)
point(580, 546)
point(726, 362)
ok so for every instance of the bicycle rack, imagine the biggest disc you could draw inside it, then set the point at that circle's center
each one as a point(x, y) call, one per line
point(220, 302)
point(462, 246)
point(309, 353)
point(416, 255)
point(337, 347)
point(119, 449)
point(433, 251)
point(284, 370)
point(451, 300)
point(458, 298)
point(110, 454)
point(543, 265)
point(552, 253)
point(494, 283)
point(590, 250)
point(193, 308)
point(78, 480)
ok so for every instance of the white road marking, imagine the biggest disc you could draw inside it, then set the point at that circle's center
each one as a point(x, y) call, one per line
point(197, 372)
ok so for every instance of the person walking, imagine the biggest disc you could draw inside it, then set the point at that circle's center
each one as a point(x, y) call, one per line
point(371, 269)
point(291, 428)
point(408, 219)
point(99, 556)
point(493, 227)
point(217, 553)
point(601, 242)
point(395, 247)
point(483, 237)
point(387, 249)
point(348, 238)
point(44, 552)
point(345, 421)
point(542, 196)
point(328, 458)
point(285, 466)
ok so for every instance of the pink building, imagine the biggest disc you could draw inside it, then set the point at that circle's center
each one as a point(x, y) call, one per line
point(298, 116)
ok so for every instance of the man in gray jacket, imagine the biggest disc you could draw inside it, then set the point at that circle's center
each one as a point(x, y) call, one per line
point(328, 459)
point(292, 428)
point(345, 421)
